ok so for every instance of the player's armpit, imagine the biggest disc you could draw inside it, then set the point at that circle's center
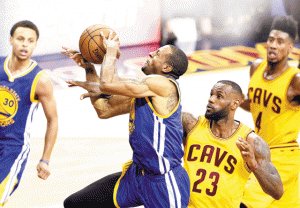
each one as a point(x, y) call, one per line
point(188, 123)
point(265, 172)
point(254, 65)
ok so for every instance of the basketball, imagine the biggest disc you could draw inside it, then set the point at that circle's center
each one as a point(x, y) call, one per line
point(91, 43)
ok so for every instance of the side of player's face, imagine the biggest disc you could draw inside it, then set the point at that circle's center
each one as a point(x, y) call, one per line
point(279, 45)
point(218, 106)
point(156, 61)
point(23, 41)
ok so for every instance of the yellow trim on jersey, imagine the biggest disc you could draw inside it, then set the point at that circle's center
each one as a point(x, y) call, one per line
point(292, 145)
point(33, 87)
point(125, 167)
point(264, 64)
point(3, 187)
point(224, 139)
point(166, 116)
point(12, 78)
point(6, 67)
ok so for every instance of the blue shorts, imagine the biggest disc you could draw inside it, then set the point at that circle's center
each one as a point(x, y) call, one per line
point(12, 164)
point(135, 188)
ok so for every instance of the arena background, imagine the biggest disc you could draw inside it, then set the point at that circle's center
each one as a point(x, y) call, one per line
point(221, 39)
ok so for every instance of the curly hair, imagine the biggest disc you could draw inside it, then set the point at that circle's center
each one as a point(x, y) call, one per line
point(286, 24)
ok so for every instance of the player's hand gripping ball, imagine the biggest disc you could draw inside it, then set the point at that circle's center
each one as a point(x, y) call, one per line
point(91, 43)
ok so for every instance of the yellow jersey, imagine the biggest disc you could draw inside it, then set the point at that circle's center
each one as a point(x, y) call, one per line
point(275, 119)
point(217, 171)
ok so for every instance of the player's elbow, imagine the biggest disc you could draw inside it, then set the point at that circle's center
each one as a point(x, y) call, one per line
point(277, 193)
point(104, 87)
point(277, 196)
point(103, 116)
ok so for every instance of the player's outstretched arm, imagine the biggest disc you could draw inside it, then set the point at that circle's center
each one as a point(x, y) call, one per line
point(256, 153)
point(188, 123)
point(91, 74)
point(110, 83)
point(44, 93)
point(104, 106)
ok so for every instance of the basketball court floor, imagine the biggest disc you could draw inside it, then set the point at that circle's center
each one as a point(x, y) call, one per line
point(88, 148)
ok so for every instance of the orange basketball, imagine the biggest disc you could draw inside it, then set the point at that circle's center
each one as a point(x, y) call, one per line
point(91, 43)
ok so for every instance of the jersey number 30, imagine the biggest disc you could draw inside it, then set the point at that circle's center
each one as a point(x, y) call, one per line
point(214, 176)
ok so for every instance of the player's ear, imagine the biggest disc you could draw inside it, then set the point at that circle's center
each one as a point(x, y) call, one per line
point(235, 104)
point(167, 68)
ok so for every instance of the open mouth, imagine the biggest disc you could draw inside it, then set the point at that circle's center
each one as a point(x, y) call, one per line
point(23, 52)
point(272, 55)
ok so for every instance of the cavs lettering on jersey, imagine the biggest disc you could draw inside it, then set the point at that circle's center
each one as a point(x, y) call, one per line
point(217, 171)
point(156, 140)
point(276, 120)
point(17, 103)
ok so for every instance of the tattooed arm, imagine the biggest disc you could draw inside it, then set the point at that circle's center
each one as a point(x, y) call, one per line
point(105, 106)
point(188, 122)
point(159, 90)
point(256, 153)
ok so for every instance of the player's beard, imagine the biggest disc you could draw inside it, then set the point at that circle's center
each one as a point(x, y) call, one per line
point(143, 68)
point(272, 64)
point(217, 115)
point(149, 70)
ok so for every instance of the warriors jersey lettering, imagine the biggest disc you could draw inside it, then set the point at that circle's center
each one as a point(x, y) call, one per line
point(17, 102)
point(217, 171)
point(275, 119)
point(156, 140)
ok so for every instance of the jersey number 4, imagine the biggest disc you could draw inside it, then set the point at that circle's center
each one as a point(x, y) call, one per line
point(258, 121)
point(214, 176)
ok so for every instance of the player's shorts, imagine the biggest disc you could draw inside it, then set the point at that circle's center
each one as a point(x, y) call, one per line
point(287, 162)
point(135, 188)
point(12, 164)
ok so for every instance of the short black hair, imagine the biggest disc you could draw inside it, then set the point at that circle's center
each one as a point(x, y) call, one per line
point(234, 86)
point(178, 60)
point(27, 24)
point(286, 24)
